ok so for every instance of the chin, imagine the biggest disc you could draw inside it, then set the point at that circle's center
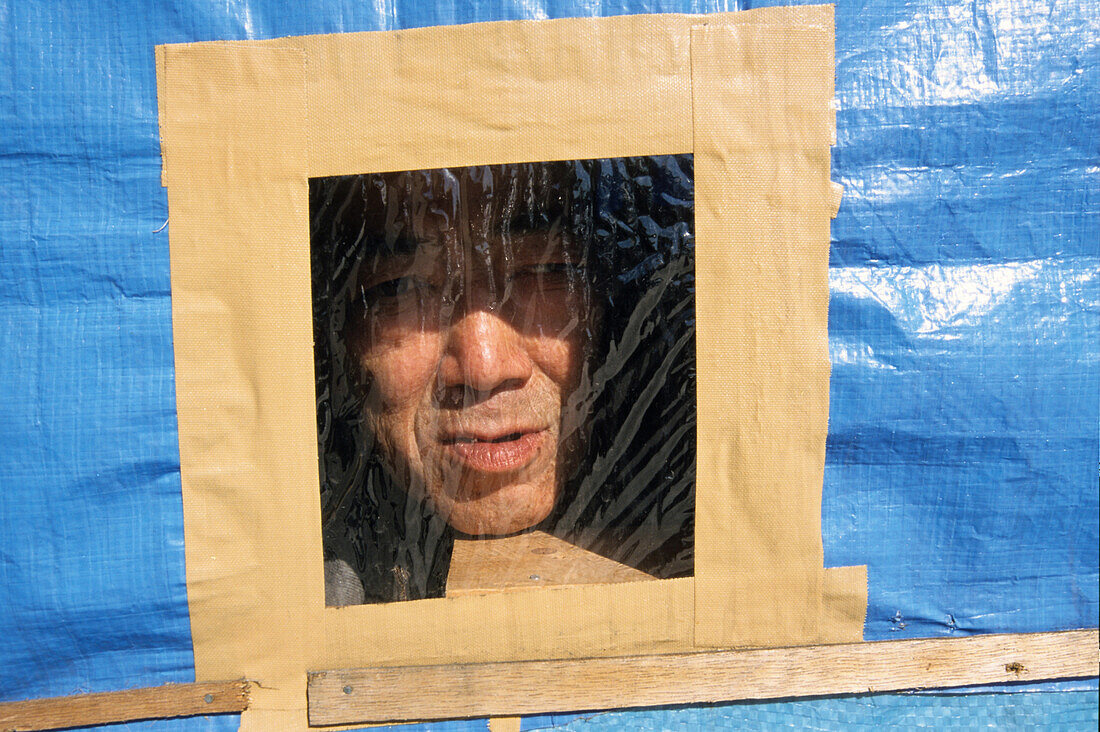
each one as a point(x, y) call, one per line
point(507, 511)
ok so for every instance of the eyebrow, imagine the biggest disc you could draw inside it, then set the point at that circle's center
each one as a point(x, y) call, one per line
point(532, 217)
point(526, 222)
point(398, 252)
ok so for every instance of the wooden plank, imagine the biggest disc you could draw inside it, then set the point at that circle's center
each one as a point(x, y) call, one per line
point(533, 687)
point(157, 702)
point(524, 561)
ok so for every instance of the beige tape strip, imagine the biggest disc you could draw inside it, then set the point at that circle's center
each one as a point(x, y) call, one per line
point(837, 192)
point(843, 605)
point(505, 724)
point(245, 124)
point(240, 285)
point(561, 622)
point(499, 92)
point(762, 92)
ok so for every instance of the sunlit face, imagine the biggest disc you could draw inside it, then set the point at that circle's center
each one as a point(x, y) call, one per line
point(471, 353)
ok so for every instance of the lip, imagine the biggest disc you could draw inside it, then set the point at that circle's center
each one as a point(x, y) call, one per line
point(504, 452)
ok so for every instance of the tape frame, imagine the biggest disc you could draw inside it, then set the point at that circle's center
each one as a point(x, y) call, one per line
point(244, 125)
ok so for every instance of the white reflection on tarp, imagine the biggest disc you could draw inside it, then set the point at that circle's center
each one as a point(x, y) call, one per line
point(934, 300)
point(962, 52)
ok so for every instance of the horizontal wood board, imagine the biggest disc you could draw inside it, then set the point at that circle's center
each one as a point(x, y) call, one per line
point(533, 687)
point(155, 702)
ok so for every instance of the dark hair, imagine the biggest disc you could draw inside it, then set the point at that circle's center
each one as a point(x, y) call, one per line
point(631, 221)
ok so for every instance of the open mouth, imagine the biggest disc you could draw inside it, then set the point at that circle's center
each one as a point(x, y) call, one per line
point(460, 440)
point(494, 454)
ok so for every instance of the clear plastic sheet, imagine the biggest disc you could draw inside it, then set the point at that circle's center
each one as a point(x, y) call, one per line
point(503, 348)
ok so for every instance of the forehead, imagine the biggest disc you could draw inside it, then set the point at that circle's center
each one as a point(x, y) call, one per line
point(398, 211)
point(512, 210)
point(502, 254)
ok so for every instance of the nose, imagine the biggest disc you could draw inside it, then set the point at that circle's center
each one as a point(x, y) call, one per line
point(484, 354)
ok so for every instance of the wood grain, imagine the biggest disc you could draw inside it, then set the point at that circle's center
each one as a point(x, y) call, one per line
point(173, 700)
point(525, 561)
point(532, 687)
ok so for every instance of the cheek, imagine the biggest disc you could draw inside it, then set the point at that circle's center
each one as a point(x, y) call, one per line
point(400, 370)
point(556, 337)
point(560, 359)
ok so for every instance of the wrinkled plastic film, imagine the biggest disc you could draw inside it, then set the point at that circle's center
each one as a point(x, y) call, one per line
point(502, 349)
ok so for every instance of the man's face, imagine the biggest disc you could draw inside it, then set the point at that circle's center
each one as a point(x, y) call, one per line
point(472, 347)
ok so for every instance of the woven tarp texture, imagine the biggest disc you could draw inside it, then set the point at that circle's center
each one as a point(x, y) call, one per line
point(1052, 711)
point(964, 329)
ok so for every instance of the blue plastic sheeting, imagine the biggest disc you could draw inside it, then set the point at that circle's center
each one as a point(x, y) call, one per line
point(965, 315)
point(964, 326)
point(218, 723)
point(1048, 711)
point(457, 725)
point(230, 723)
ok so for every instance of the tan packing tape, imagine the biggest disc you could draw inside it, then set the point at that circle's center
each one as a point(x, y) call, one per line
point(763, 129)
point(245, 124)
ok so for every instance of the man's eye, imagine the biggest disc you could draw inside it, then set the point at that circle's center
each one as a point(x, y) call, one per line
point(547, 274)
point(551, 268)
point(395, 289)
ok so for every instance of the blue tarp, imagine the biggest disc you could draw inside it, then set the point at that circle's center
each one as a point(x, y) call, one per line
point(964, 322)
